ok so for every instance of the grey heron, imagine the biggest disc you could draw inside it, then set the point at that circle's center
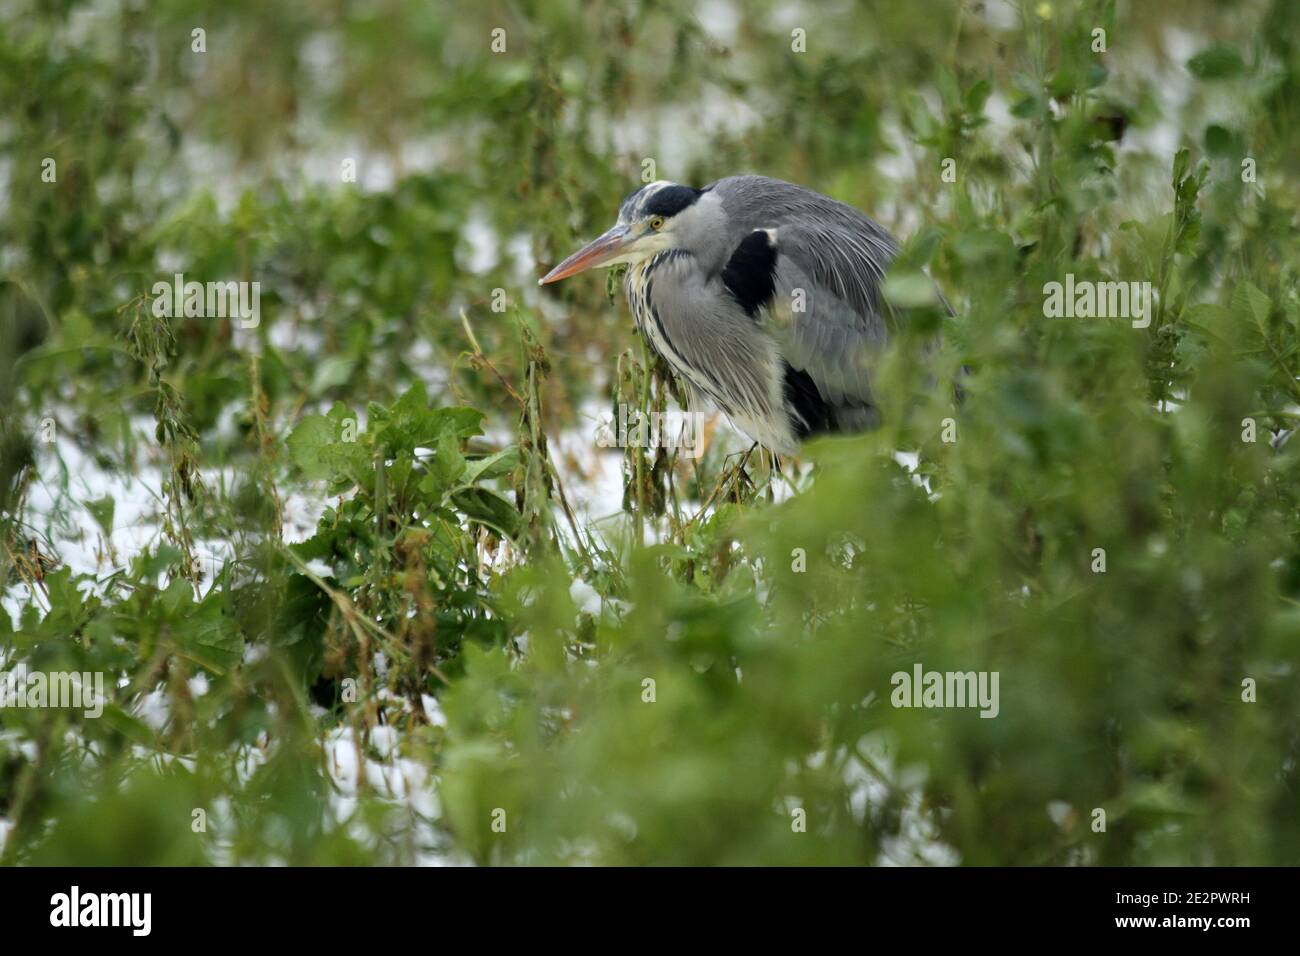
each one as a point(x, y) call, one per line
point(762, 295)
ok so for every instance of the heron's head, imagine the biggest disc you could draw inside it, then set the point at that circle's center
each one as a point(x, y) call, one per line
point(656, 217)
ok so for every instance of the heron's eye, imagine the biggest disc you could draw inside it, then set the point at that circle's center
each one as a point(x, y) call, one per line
point(657, 223)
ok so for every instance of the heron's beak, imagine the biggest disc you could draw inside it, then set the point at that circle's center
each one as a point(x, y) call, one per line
point(595, 253)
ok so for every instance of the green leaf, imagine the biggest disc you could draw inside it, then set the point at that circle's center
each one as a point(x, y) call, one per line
point(128, 726)
point(910, 290)
point(101, 509)
point(300, 627)
point(212, 637)
point(490, 509)
point(448, 463)
point(1217, 62)
point(309, 443)
point(1252, 304)
point(333, 371)
point(411, 424)
point(977, 95)
point(492, 466)
point(1221, 141)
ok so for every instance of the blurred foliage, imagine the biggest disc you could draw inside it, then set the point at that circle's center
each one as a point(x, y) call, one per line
point(453, 664)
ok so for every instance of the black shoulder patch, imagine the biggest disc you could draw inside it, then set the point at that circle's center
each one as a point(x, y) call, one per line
point(750, 273)
point(670, 200)
point(809, 413)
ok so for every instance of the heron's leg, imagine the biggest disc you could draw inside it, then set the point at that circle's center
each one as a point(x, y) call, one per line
point(743, 466)
point(788, 469)
point(741, 481)
point(773, 471)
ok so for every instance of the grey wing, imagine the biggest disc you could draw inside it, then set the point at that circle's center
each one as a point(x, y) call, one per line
point(826, 312)
point(845, 321)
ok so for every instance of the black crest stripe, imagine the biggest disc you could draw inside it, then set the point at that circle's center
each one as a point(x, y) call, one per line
point(670, 200)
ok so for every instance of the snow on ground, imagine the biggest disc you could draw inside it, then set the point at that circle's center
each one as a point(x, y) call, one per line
point(67, 477)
